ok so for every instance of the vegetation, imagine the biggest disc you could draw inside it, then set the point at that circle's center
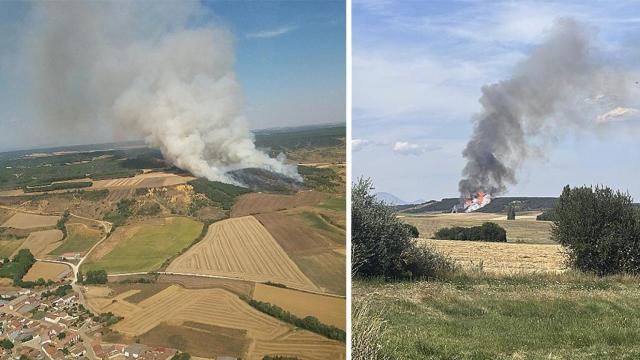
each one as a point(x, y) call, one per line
point(60, 225)
point(320, 179)
point(488, 231)
point(18, 267)
point(78, 239)
point(107, 319)
point(181, 356)
point(547, 215)
point(563, 316)
point(6, 344)
point(599, 228)
point(60, 291)
point(92, 195)
point(124, 209)
point(382, 245)
point(149, 209)
point(95, 277)
point(413, 230)
point(310, 323)
point(511, 213)
point(57, 186)
point(496, 205)
point(367, 333)
point(278, 141)
point(220, 193)
point(277, 357)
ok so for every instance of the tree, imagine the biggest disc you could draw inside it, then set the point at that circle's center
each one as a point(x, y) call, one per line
point(6, 344)
point(96, 277)
point(511, 213)
point(181, 356)
point(413, 230)
point(381, 244)
point(599, 228)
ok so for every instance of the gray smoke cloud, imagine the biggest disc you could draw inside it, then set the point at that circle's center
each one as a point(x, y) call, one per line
point(564, 84)
point(155, 69)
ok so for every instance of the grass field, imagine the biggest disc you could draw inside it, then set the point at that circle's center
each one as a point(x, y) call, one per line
point(30, 221)
point(524, 229)
point(80, 238)
point(561, 316)
point(8, 247)
point(143, 246)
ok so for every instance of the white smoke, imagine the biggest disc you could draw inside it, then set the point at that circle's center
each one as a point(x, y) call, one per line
point(149, 70)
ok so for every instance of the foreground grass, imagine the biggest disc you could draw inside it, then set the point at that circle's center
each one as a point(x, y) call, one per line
point(148, 247)
point(566, 316)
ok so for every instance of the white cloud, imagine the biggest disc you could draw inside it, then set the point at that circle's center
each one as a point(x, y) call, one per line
point(266, 34)
point(617, 114)
point(407, 148)
point(358, 144)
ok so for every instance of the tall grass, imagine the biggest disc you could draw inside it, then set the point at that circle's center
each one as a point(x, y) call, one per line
point(368, 333)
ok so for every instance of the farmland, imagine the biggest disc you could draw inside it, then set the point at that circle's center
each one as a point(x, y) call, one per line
point(241, 248)
point(257, 203)
point(80, 238)
point(47, 271)
point(40, 243)
point(30, 221)
point(143, 246)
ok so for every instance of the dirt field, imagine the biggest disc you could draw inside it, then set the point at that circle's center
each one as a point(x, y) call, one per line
point(47, 271)
point(241, 248)
point(259, 203)
point(524, 229)
point(329, 310)
point(294, 233)
point(30, 221)
point(177, 306)
point(40, 243)
point(502, 258)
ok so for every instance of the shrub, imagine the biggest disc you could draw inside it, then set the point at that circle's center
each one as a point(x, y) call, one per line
point(486, 232)
point(547, 215)
point(413, 230)
point(381, 244)
point(6, 344)
point(511, 213)
point(599, 228)
point(96, 277)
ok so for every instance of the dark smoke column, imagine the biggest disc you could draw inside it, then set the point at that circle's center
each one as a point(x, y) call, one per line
point(535, 100)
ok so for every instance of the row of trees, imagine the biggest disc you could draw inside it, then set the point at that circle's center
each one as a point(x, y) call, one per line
point(488, 231)
point(93, 277)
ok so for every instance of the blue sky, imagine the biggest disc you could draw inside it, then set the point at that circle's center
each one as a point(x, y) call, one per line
point(290, 61)
point(418, 67)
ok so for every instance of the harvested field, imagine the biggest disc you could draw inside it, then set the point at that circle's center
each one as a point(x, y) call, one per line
point(80, 238)
point(524, 229)
point(30, 221)
point(40, 243)
point(329, 310)
point(196, 282)
point(502, 258)
point(241, 248)
point(119, 194)
point(5, 214)
point(143, 246)
point(327, 269)
point(198, 339)
point(300, 344)
point(259, 203)
point(152, 179)
point(295, 234)
point(136, 292)
point(48, 271)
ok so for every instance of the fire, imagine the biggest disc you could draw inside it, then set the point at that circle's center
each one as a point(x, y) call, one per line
point(479, 200)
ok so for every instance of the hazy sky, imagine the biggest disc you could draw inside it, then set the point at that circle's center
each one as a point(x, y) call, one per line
point(290, 62)
point(418, 68)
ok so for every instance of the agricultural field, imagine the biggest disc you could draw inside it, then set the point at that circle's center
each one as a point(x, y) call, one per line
point(181, 311)
point(9, 247)
point(80, 238)
point(241, 248)
point(524, 229)
point(143, 246)
point(526, 316)
point(258, 203)
point(30, 221)
point(41, 243)
point(48, 271)
point(328, 309)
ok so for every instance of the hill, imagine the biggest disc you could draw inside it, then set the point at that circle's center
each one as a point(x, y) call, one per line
point(499, 204)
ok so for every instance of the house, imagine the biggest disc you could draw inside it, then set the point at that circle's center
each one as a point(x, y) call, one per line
point(52, 318)
point(53, 352)
point(77, 350)
point(134, 350)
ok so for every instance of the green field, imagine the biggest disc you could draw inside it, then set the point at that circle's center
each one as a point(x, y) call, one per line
point(7, 247)
point(79, 239)
point(567, 316)
point(149, 246)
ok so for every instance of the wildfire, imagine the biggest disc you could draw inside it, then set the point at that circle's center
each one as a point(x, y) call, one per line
point(479, 200)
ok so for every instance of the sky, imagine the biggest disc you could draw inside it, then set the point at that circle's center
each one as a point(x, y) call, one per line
point(418, 69)
point(289, 60)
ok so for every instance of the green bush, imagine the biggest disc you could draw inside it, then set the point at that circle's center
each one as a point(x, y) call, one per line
point(599, 228)
point(547, 215)
point(486, 232)
point(511, 213)
point(222, 194)
point(96, 277)
point(6, 344)
point(413, 230)
point(382, 245)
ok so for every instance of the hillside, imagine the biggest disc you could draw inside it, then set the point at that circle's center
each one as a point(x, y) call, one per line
point(499, 204)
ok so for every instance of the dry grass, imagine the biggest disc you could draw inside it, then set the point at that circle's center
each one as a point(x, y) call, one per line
point(259, 203)
point(239, 287)
point(502, 258)
point(327, 269)
point(47, 271)
point(40, 243)
point(30, 221)
point(329, 310)
point(524, 229)
point(241, 248)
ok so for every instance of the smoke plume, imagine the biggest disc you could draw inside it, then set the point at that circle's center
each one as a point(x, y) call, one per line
point(564, 84)
point(153, 69)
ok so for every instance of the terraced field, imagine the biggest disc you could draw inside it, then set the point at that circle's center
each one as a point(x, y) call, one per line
point(241, 248)
point(143, 246)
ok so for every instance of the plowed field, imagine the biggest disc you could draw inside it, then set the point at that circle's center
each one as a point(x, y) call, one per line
point(241, 248)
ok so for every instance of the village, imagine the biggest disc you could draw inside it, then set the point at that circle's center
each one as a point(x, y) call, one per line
point(53, 324)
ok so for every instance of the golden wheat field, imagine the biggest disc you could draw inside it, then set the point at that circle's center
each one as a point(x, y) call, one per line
point(501, 258)
point(524, 229)
point(328, 309)
point(47, 271)
point(30, 221)
point(241, 248)
point(218, 307)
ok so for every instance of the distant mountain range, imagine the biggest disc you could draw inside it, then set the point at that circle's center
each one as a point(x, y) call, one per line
point(499, 204)
point(394, 200)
